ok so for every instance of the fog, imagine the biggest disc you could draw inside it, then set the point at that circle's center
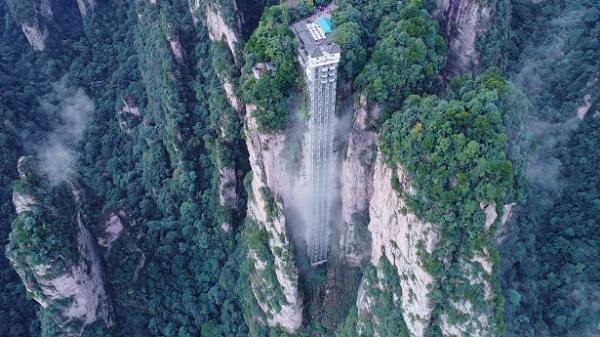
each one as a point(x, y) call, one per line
point(72, 110)
point(298, 198)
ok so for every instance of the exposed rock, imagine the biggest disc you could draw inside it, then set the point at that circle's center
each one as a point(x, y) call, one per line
point(267, 174)
point(479, 270)
point(463, 22)
point(227, 184)
point(176, 48)
point(357, 185)
point(77, 294)
point(130, 107)
point(399, 235)
point(490, 214)
point(65, 277)
point(231, 96)
point(585, 107)
point(218, 29)
point(86, 6)
point(35, 36)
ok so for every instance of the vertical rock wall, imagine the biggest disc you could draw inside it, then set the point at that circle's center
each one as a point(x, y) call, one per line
point(357, 186)
point(399, 235)
point(402, 238)
point(463, 22)
point(268, 178)
point(70, 288)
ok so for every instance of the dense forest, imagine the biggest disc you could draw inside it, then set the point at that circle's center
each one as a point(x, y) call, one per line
point(125, 175)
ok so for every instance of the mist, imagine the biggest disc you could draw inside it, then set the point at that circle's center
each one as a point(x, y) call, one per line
point(546, 126)
point(297, 192)
point(549, 59)
point(72, 111)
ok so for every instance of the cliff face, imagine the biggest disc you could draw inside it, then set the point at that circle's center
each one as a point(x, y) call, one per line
point(32, 16)
point(278, 296)
point(400, 236)
point(404, 240)
point(35, 34)
point(465, 23)
point(70, 288)
point(86, 6)
point(213, 19)
point(357, 186)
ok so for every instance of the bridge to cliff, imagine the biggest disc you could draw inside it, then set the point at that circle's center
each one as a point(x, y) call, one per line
point(319, 57)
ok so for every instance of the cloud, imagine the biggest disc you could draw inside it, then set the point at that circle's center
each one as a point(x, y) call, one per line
point(73, 111)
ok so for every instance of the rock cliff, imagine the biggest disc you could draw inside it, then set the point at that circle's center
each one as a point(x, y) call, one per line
point(465, 23)
point(36, 36)
point(217, 26)
point(32, 16)
point(405, 240)
point(277, 296)
point(357, 185)
point(86, 6)
point(400, 236)
point(68, 282)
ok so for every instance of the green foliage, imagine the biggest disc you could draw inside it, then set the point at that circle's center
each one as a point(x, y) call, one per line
point(407, 57)
point(492, 44)
point(382, 288)
point(547, 251)
point(458, 155)
point(555, 288)
point(456, 150)
point(173, 269)
point(350, 35)
point(272, 41)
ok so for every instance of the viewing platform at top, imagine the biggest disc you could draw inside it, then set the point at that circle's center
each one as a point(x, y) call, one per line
point(316, 46)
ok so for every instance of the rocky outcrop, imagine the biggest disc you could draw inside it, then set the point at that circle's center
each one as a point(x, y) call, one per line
point(22, 202)
point(64, 275)
point(176, 48)
point(402, 237)
point(265, 207)
point(218, 29)
point(35, 35)
point(357, 186)
point(405, 240)
point(113, 227)
point(585, 107)
point(213, 20)
point(227, 184)
point(479, 270)
point(234, 101)
point(463, 21)
point(68, 286)
point(86, 6)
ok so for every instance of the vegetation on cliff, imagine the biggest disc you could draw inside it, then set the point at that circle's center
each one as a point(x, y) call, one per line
point(458, 155)
point(164, 128)
point(407, 58)
point(272, 42)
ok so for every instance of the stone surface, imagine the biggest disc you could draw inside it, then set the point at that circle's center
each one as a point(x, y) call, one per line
point(357, 184)
point(463, 21)
point(35, 35)
point(218, 29)
point(227, 184)
point(396, 234)
point(86, 6)
point(268, 172)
